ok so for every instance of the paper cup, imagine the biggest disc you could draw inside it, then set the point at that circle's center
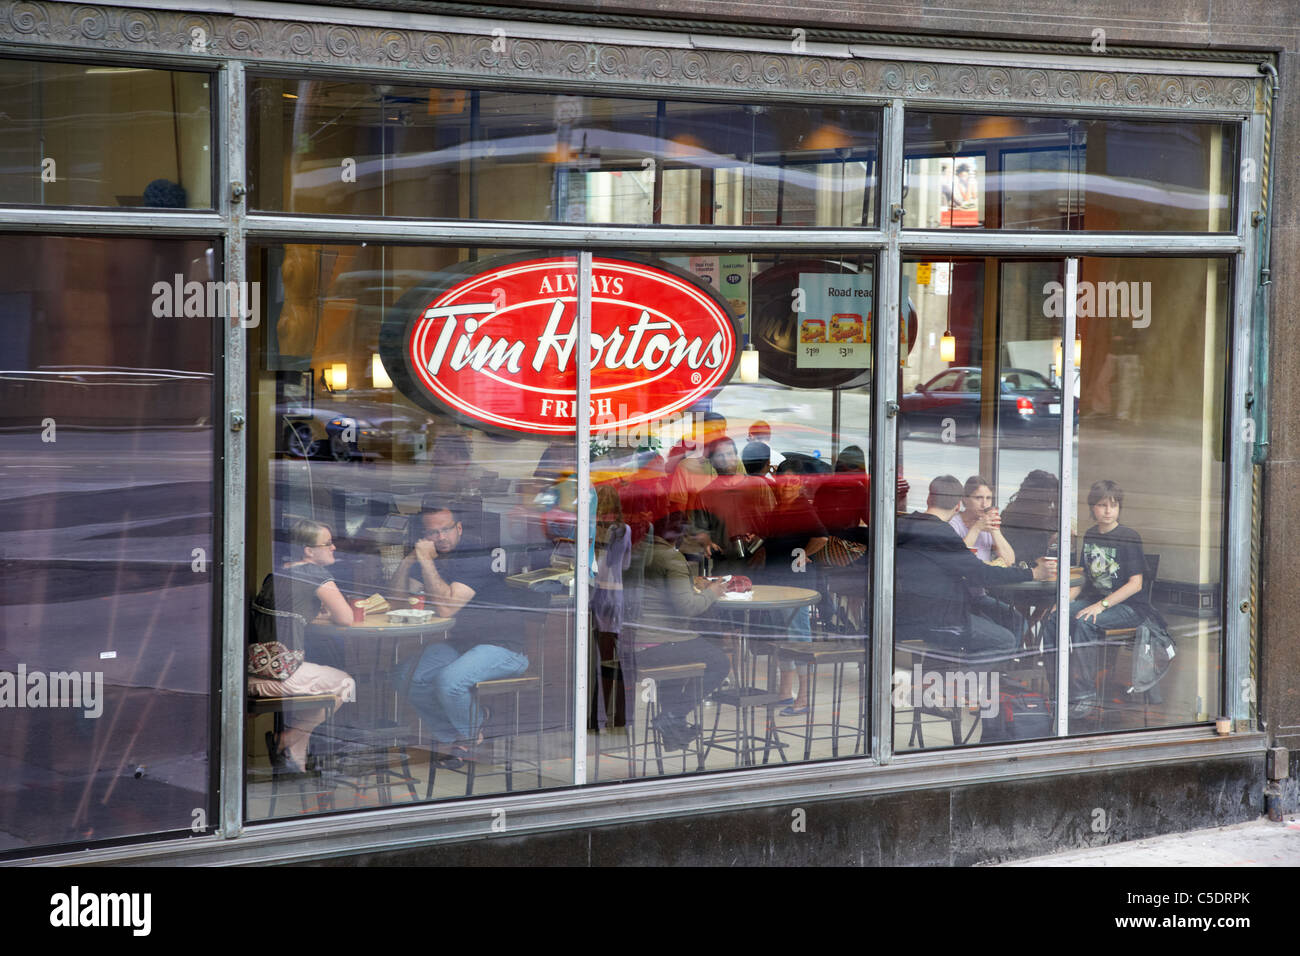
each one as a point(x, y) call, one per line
point(358, 612)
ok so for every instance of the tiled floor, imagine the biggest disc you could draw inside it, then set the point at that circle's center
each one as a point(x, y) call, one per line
point(1183, 692)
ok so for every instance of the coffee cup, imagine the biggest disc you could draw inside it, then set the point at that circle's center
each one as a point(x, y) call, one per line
point(358, 612)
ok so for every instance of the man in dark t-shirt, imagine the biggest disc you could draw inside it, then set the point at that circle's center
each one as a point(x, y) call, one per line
point(483, 644)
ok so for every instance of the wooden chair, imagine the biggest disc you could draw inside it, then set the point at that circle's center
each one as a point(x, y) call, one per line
point(278, 776)
point(650, 737)
point(837, 655)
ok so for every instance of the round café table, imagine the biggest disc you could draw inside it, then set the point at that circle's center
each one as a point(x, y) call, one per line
point(375, 646)
point(380, 641)
point(1034, 600)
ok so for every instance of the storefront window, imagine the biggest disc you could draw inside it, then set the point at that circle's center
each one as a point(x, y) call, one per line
point(73, 134)
point(1152, 449)
point(417, 548)
point(106, 538)
point(731, 539)
point(1053, 173)
point(377, 150)
point(986, 382)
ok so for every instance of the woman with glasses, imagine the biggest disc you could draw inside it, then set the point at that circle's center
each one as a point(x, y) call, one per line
point(305, 589)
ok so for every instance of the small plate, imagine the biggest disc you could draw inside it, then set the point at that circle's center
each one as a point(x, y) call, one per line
point(409, 615)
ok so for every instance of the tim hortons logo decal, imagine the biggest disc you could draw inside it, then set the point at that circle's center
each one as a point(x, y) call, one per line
point(497, 347)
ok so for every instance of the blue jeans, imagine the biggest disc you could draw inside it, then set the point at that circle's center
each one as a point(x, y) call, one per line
point(443, 681)
point(1086, 639)
point(800, 630)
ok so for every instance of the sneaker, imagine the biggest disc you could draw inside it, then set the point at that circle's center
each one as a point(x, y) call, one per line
point(675, 733)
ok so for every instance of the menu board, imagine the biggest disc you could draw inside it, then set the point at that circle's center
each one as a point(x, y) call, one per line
point(835, 321)
point(729, 275)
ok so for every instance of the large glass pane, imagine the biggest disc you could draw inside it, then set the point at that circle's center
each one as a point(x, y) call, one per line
point(979, 436)
point(411, 524)
point(975, 650)
point(1067, 174)
point(359, 149)
point(73, 134)
point(106, 539)
point(1149, 507)
point(729, 611)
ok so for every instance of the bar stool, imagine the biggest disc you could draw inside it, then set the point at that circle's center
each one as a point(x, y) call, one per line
point(651, 737)
point(838, 655)
point(513, 690)
point(279, 707)
point(376, 758)
point(944, 647)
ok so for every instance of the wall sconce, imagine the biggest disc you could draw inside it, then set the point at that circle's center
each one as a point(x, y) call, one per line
point(335, 376)
point(948, 347)
point(749, 363)
point(378, 374)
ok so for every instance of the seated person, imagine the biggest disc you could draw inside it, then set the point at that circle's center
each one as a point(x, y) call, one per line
point(689, 467)
point(1110, 596)
point(842, 499)
point(793, 526)
point(463, 585)
point(732, 507)
point(979, 526)
point(306, 588)
point(757, 459)
point(662, 634)
point(935, 572)
point(1029, 521)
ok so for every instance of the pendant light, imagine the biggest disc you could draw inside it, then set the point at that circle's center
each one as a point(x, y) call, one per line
point(948, 344)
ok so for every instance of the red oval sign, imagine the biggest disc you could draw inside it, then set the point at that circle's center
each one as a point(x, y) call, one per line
point(498, 347)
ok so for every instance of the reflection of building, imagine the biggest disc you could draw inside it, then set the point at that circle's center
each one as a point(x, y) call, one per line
point(449, 145)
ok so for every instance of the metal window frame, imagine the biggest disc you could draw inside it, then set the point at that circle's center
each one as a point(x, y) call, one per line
point(1044, 90)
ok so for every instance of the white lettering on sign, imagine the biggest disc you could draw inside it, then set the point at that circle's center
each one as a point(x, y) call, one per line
point(501, 346)
point(556, 346)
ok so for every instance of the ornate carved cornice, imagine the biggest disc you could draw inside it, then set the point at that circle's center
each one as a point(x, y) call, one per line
point(485, 58)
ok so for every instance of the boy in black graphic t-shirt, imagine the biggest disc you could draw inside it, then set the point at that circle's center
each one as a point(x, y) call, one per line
point(1111, 594)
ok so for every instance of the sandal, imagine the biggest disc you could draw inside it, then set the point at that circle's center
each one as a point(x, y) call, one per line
point(455, 759)
point(793, 711)
point(281, 760)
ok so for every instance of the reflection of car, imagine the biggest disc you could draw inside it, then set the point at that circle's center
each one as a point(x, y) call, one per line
point(1028, 404)
point(347, 429)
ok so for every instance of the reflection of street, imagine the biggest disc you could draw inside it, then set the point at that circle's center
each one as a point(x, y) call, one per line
point(97, 538)
point(801, 422)
point(927, 458)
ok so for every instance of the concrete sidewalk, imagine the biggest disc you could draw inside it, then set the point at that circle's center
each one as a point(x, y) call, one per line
point(1260, 843)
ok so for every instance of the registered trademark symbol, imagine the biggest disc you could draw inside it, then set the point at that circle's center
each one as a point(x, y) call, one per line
point(695, 378)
